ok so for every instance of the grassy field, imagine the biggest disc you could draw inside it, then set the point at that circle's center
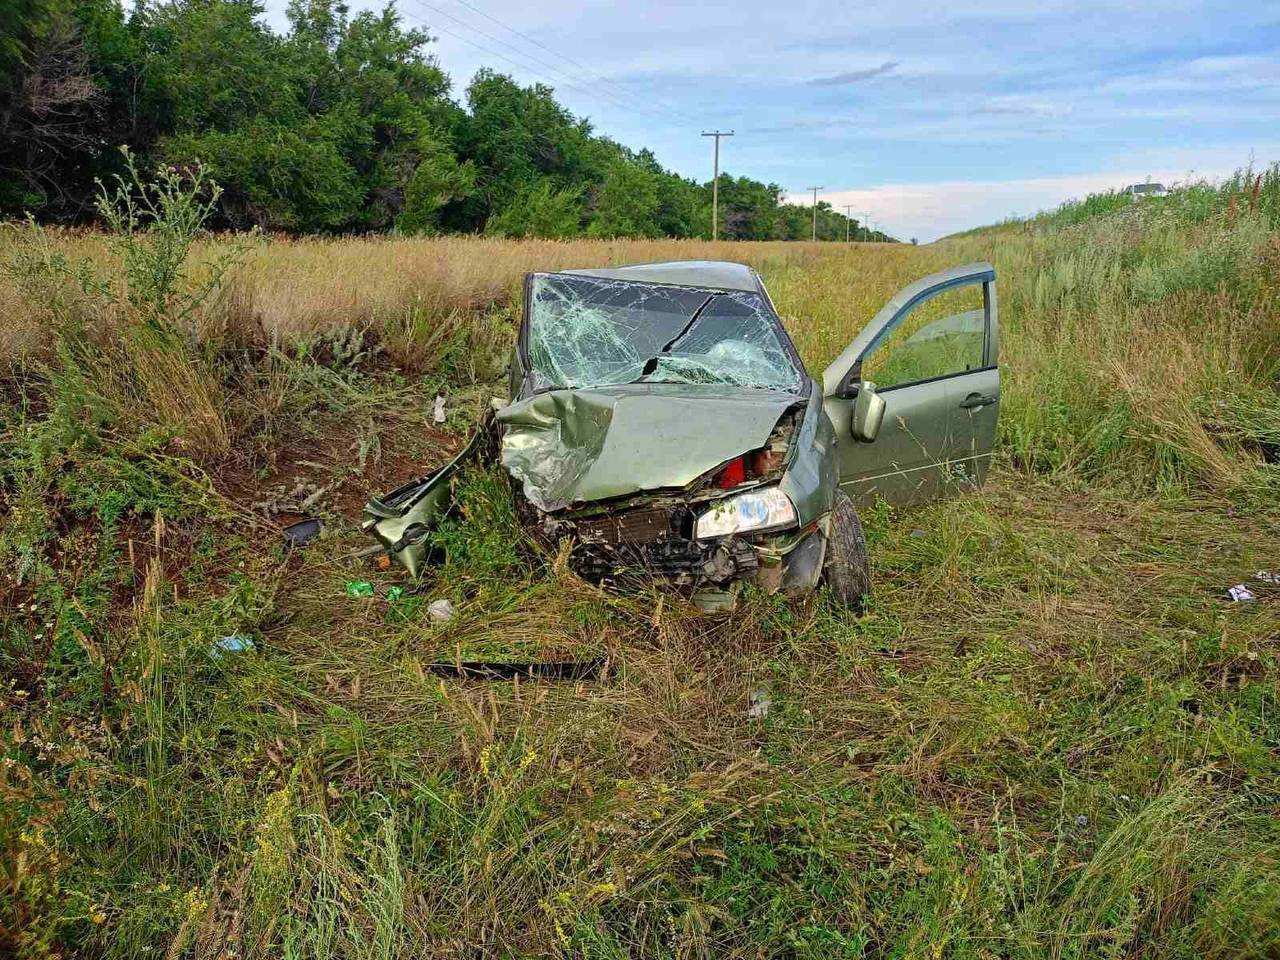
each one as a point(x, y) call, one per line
point(1049, 735)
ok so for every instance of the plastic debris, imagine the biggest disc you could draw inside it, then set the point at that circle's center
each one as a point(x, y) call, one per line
point(1082, 820)
point(232, 643)
point(440, 611)
point(917, 534)
point(394, 594)
point(438, 413)
point(301, 533)
point(1240, 593)
point(1262, 582)
point(760, 705)
point(359, 588)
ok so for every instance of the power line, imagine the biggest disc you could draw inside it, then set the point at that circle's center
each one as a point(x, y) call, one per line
point(588, 72)
point(847, 216)
point(520, 66)
point(568, 80)
point(573, 82)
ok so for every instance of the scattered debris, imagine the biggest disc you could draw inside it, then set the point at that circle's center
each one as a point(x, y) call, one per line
point(437, 414)
point(314, 497)
point(359, 588)
point(394, 594)
point(232, 643)
point(715, 601)
point(384, 561)
point(1240, 593)
point(300, 498)
point(917, 534)
point(760, 704)
point(1264, 582)
point(301, 533)
point(440, 611)
point(1082, 820)
point(489, 670)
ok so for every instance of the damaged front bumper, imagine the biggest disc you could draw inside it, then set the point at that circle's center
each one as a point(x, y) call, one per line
point(654, 541)
point(647, 527)
point(619, 547)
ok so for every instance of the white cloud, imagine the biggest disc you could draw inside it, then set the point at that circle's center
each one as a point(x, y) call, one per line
point(928, 211)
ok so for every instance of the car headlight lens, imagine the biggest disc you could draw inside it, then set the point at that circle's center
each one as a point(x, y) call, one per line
point(765, 509)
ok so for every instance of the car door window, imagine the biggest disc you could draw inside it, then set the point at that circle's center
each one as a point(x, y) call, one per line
point(940, 336)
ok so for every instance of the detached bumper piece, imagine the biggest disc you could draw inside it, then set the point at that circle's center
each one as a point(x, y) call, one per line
point(402, 520)
point(571, 670)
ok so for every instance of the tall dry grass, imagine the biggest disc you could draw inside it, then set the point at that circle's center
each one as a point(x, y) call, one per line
point(1138, 341)
point(1144, 341)
point(292, 290)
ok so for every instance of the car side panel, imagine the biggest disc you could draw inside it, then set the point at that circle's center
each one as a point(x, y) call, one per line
point(974, 428)
point(907, 462)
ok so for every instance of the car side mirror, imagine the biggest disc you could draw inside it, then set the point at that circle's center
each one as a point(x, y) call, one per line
point(868, 413)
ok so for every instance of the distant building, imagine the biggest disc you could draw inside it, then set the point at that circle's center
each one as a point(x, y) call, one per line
point(1145, 191)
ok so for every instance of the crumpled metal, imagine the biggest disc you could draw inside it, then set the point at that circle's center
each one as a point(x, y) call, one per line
point(572, 446)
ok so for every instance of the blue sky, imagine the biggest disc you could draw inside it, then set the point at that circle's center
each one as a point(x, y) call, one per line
point(931, 117)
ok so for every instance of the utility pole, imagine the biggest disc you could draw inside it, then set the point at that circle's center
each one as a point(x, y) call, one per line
point(847, 218)
point(815, 211)
point(715, 179)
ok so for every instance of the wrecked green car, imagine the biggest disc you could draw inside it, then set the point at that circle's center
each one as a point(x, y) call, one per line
point(660, 419)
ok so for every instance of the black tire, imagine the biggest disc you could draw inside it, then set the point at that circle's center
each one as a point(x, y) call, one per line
point(846, 567)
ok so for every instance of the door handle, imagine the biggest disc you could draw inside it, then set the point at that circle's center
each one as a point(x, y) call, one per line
point(975, 401)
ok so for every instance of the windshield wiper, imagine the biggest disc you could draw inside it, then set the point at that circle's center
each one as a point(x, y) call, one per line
point(651, 364)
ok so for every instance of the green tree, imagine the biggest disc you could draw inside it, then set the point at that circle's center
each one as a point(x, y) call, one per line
point(64, 66)
point(540, 211)
point(438, 180)
point(278, 176)
point(340, 123)
point(517, 137)
point(325, 128)
point(627, 203)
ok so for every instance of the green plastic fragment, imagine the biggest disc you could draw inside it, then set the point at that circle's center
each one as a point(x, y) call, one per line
point(359, 588)
point(394, 594)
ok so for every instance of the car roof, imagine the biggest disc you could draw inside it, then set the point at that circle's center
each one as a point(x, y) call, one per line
point(715, 274)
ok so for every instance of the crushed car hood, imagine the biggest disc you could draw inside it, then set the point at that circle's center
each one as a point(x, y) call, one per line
point(575, 446)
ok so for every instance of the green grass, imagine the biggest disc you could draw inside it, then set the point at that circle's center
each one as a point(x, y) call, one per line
point(1049, 735)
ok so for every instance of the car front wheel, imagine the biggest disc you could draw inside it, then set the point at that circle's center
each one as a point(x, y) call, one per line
point(847, 568)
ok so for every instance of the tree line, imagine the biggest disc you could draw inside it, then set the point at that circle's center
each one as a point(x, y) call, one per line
point(340, 123)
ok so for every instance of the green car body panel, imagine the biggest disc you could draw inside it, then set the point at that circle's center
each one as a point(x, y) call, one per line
point(578, 446)
point(610, 452)
point(938, 433)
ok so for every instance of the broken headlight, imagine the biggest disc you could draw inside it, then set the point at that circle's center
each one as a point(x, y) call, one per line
point(765, 509)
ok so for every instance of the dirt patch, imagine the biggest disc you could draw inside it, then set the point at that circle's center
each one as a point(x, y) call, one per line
point(317, 470)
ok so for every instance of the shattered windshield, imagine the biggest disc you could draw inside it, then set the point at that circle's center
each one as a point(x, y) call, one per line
point(593, 332)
